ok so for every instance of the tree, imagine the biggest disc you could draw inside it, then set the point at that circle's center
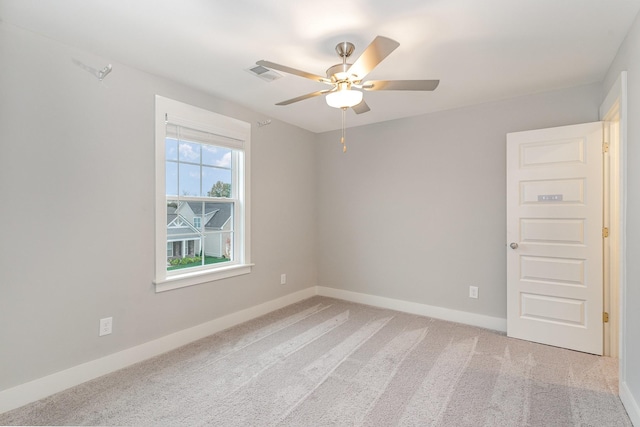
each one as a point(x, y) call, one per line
point(220, 189)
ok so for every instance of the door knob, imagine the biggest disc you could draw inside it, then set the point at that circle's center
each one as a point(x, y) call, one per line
point(513, 245)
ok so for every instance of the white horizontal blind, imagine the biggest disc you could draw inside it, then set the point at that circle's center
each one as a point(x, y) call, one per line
point(205, 134)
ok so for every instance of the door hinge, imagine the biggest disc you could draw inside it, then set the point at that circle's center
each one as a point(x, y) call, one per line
point(605, 317)
point(605, 147)
point(605, 232)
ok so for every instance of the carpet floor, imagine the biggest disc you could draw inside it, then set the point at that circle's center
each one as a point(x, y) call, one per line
point(327, 362)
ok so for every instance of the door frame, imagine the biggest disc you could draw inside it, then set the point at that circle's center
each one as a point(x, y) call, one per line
point(613, 111)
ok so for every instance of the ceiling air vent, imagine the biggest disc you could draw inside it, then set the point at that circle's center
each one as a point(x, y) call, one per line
point(264, 73)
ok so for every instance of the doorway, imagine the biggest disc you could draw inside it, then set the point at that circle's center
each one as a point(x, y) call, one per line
point(613, 114)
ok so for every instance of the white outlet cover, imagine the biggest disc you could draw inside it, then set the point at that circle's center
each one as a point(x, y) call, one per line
point(473, 292)
point(106, 326)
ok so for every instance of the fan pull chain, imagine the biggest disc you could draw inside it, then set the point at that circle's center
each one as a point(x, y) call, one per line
point(344, 146)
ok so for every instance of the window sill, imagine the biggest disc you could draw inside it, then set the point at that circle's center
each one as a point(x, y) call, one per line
point(199, 277)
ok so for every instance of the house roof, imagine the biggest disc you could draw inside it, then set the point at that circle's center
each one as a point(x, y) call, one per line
point(220, 218)
point(196, 207)
point(216, 216)
point(171, 214)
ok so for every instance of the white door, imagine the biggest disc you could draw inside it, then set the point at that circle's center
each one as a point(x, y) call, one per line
point(554, 236)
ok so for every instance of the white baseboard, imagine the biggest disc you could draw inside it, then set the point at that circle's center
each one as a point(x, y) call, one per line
point(480, 320)
point(630, 404)
point(42, 387)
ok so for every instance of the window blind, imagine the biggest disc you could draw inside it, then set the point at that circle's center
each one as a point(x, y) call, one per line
point(195, 133)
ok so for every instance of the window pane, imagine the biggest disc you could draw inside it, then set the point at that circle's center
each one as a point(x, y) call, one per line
point(189, 180)
point(216, 182)
point(218, 231)
point(184, 241)
point(171, 149)
point(189, 246)
point(189, 152)
point(216, 156)
point(171, 178)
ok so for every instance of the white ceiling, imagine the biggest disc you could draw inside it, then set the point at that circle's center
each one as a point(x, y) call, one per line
point(481, 50)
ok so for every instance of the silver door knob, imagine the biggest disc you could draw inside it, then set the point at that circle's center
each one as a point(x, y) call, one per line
point(513, 245)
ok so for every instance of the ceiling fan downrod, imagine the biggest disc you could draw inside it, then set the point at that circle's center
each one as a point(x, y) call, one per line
point(342, 140)
point(338, 73)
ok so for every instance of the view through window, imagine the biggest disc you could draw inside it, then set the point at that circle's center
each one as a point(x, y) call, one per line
point(202, 194)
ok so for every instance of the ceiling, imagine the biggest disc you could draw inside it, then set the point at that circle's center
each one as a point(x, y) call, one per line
point(480, 50)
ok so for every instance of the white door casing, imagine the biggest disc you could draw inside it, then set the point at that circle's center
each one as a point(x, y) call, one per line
point(554, 236)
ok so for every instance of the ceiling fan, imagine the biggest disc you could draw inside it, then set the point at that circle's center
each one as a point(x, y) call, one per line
point(346, 80)
point(345, 77)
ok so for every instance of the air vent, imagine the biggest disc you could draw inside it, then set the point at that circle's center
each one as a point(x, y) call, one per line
point(264, 73)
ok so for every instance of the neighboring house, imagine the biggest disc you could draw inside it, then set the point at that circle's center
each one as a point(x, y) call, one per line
point(218, 231)
point(185, 235)
point(183, 239)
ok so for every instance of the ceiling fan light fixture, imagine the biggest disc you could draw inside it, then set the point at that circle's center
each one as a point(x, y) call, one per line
point(344, 98)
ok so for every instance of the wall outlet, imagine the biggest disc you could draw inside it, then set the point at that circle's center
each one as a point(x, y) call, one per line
point(473, 292)
point(106, 325)
point(283, 279)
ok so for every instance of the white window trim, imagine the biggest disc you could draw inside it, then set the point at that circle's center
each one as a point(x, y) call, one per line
point(239, 135)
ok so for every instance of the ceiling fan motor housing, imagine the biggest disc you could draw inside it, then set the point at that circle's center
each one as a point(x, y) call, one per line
point(345, 49)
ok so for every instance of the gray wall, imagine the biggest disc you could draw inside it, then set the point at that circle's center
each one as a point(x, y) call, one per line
point(77, 179)
point(628, 59)
point(416, 208)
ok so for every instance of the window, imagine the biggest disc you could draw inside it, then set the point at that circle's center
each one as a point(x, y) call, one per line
point(202, 188)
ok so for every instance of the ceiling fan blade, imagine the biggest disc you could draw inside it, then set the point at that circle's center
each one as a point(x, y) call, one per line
point(379, 49)
point(401, 85)
point(361, 108)
point(290, 70)
point(303, 97)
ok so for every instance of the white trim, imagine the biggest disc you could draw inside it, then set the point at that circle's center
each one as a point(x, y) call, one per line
point(198, 277)
point(632, 407)
point(618, 95)
point(480, 320)
point(42, 387)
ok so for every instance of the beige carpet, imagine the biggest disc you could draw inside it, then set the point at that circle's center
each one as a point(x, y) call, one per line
point(325, 362)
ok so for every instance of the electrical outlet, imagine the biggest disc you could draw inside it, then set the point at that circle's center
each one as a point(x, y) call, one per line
point(473, 292)
point(283, 279)
point(106, 325)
